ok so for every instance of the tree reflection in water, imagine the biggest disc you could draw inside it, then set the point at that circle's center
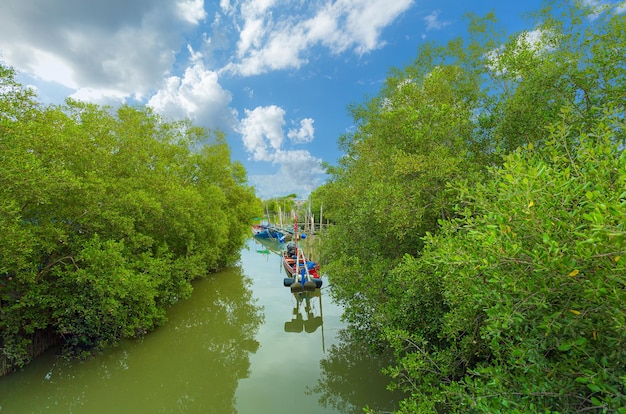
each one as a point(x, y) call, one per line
point(191, 364)
point(350, 373)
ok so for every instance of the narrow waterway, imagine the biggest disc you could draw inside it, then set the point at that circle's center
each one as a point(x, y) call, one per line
point(242, 343)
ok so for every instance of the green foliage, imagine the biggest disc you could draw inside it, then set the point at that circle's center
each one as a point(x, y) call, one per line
point(106, 218)
point(521, 300)
point(391, 186)
point(570, 59)
point(479, 217)
point(278, 205)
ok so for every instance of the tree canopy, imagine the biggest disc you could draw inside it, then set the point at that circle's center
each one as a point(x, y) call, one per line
point(106, 216)
point(479, 217)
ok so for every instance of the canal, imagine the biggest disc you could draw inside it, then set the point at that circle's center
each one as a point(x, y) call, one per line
point(242, 343)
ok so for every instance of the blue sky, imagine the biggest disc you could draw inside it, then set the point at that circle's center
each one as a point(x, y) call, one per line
point(275, 75)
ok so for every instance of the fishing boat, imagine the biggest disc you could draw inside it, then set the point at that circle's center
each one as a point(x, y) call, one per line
point(263, 231)
point(303, 274)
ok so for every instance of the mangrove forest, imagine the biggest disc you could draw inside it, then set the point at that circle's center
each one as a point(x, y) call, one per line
point(106, 217)
point(479, 214)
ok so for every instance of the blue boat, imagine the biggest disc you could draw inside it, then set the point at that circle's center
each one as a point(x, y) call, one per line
point(263, 231)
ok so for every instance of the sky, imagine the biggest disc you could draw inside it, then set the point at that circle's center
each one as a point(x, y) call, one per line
point(277, 76)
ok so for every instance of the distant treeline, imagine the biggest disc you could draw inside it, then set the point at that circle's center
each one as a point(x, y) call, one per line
point(106, 216)
point(480, 218)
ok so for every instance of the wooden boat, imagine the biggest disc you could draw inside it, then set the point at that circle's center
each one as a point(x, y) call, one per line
point(303, 274)
point(263, 231)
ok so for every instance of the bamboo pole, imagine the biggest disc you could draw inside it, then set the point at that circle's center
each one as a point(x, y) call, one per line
point(321, 211)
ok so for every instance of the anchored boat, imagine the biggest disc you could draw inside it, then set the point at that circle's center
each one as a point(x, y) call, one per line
point(263, 231)
point(303, 273)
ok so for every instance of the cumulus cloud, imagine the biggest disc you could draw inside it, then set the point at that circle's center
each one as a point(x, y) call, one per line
point(299, 176)
point(303, 134)
point(105, 50)
point(257, 18)
point(263, 135)
point(191, 11)
point(196, 95)
point(51, 67)
point(271, 41)
point(138, 50)
point(262, 132)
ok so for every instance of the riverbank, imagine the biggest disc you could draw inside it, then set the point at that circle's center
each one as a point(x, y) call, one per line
point(241, 343)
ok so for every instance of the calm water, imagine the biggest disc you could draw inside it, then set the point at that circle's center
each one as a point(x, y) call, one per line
point(242, 343)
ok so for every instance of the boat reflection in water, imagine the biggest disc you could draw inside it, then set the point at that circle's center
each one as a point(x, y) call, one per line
point(268, 246)
point(304, 316)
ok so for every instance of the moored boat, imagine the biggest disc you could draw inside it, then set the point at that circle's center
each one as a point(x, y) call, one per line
point(303, 273)
point(263, 231)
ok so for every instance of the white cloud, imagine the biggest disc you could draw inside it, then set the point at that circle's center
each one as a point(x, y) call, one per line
point(366, 19)
point(305, 133)
point(266, 45)
point(257, 23)
point(191, 11)
point(103, 95)
point(109, 50)
point(262, 132)
point(250, 36)
point(323, 27)
point(226, 7)
point(280, 51)
point(433, 22)
point(119, 50)
point(299, 173)
point(52, 68)
point(263, 137)
point(196, 95)
point(621, 8)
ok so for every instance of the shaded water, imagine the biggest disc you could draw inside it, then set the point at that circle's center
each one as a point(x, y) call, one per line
point(242, 343)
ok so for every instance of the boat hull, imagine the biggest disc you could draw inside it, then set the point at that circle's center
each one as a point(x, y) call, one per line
point(267, 232)
point(298, 279)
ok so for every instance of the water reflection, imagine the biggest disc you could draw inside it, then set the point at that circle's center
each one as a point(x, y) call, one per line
point(268, 246)
point(192, 364)
point(303, 313)
point(351, 376)
point(348, 376)
point(225, 350)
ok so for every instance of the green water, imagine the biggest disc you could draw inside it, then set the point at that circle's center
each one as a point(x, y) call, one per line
point(242, 343)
